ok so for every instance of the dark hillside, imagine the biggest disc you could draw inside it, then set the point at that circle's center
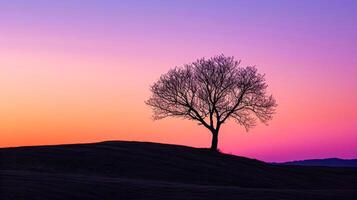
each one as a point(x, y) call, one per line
point(141, 168)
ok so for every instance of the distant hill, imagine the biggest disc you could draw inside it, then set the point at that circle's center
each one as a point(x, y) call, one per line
point(329, 162)
point(142, 170)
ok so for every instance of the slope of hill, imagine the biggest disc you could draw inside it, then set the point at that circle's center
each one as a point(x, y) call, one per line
point(141, 170)
point(329, 162)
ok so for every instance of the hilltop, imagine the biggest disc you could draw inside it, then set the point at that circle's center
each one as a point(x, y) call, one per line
point(329, 162)
point(142, 170)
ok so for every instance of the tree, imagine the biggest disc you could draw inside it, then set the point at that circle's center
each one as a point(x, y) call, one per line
point(212, 91)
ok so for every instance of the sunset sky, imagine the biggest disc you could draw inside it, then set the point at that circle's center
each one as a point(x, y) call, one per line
point(80, 71)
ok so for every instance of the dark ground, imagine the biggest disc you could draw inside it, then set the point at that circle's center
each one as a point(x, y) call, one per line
point(139, 170)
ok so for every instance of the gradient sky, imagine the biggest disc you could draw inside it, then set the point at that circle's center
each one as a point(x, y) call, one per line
point(80, 71)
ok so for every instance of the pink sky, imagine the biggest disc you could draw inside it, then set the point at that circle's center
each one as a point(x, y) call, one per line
point(74, 72)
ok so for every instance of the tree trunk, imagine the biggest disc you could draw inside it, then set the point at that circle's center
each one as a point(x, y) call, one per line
point(214, 140)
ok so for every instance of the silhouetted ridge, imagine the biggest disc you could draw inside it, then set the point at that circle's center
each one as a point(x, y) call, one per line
point(173, 163)
point(329, 162)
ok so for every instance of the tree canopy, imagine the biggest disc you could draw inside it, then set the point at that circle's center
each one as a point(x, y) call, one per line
point(212, 91)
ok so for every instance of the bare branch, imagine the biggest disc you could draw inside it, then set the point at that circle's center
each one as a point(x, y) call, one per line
point(212, 91)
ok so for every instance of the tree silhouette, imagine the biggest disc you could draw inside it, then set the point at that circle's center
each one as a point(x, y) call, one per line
point(212, 91)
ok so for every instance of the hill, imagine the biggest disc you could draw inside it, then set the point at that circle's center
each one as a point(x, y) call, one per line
point(141, 170)
point(329, 162)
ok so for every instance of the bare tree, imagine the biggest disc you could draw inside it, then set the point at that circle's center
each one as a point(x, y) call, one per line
point(212, 91)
